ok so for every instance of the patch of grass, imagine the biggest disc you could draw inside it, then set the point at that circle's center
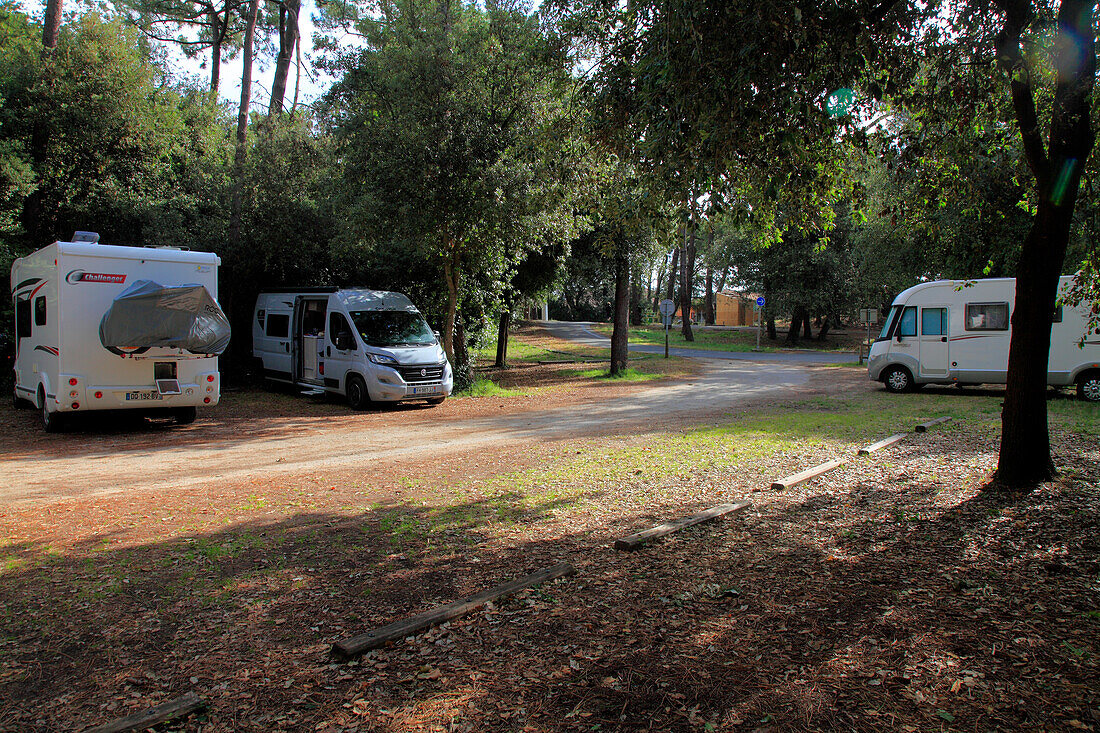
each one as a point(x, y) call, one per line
point(724, 339)
point(488, 388)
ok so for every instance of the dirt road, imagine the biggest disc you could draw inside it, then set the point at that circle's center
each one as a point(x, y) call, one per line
point(36, 468)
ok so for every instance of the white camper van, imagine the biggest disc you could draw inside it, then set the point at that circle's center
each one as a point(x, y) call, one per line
point(362, 344)
point(102, 327)
point(958, 332)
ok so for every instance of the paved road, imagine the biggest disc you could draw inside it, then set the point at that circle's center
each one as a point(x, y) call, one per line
point(581, 332)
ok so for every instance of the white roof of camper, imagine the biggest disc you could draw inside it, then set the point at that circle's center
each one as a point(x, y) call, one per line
point(156, 254)
point(374, 300)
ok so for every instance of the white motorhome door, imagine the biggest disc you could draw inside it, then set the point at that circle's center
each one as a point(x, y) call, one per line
point(276, 340)
point(934, 341)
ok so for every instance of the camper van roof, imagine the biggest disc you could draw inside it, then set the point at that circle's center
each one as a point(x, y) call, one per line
point(89, 249)
point(374, 300)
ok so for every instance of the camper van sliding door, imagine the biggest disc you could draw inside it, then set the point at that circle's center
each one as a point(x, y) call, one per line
point(934, 341)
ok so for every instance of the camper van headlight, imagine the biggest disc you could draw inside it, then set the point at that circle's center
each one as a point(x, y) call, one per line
point(383, 359)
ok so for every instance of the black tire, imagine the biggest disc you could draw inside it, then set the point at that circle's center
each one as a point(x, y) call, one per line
point(897, 379)
point(436, 400)
point(356, 392)
point(1088, 387)
point(52, 422)
point(185, 415)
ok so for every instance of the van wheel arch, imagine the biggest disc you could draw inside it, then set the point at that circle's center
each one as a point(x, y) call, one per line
point(52, 422)
point(1088, 385)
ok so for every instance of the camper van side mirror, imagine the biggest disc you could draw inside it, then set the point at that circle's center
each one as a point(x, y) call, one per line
point(437, 337)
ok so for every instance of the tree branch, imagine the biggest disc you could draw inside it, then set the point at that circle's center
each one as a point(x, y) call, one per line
point(1010, 58)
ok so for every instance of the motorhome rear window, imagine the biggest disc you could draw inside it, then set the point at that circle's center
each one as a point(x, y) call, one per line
point(987, 316)
point(23, 318)
point(40, 310)
point(392, 328)
point(278, 325)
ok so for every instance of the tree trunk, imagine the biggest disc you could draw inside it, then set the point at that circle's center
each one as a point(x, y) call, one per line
point(708, 301)
point(687, 272)
point(770, 326)
point(240, 153)
point(620, 331)
point(217, 33)
point(51, 24)
point(796, 324)
point(451, 277)
point(1024, 458)
point(806, 332)
point(502, 336)
point(824, 329)
point(674, 260)
point(288, 41)
point(636, 299)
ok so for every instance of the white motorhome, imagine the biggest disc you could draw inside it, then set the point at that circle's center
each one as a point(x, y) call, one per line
point(362, 344)
point(103, 327)
point(958, 332)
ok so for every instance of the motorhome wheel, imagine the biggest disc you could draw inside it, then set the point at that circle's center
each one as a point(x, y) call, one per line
point(898, 380)
point(1088, 386)
point(358, 398)
point(51, 421)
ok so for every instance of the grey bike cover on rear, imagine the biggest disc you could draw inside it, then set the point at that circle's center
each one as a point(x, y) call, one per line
point(148, 314)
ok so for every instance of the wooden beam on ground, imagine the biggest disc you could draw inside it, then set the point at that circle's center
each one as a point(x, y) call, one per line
point(886, 442)
point(162, 713)
point(923, 427)
point(809, 473)
point(407, 627)
point(634, 541)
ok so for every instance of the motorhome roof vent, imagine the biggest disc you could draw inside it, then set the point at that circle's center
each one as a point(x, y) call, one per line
point(89, 237)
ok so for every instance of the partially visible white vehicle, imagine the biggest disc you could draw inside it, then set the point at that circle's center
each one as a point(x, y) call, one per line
point(361, 344)
point(958, 332)
point(102, 327)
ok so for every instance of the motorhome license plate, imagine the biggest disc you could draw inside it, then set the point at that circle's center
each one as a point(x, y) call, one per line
point(434, 389)
point(143, 395)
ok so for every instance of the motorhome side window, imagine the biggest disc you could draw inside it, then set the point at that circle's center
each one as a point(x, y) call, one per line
point(908, 324)
point(933, 321)
point(340, 331)
point(986, 316)
point(23, 318)
point(40, 310)
point(278, 325)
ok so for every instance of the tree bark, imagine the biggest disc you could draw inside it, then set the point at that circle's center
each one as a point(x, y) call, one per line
point(620, 331)
point(502, 336)
point(451, 276)
point(821, 334)
point(708, 301)
point(217, 33)
point(240, 153)
point(796, 324)
point(288, 41)
point(687, 272)
point(51, 24)
point(806, 332)
point(770, 327)
point(1024, 458)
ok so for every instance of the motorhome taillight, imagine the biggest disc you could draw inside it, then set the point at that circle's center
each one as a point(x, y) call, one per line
point(76, 405)
point(72, 381)
point(99, 395)
point(74, 393)
point(206, 400)
point(209, 377)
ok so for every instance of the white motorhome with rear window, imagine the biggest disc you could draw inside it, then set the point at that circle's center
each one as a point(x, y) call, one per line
point(958, 332)
point(103, 327)
point(362, 344)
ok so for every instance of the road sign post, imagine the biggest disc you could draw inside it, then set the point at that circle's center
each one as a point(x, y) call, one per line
point(667, 308)
point(759, 319)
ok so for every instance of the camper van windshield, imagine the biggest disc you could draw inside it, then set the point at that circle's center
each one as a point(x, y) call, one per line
point(392, 328)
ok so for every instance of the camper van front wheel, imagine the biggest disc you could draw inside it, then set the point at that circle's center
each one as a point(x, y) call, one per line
point(1088, 386)
point(358, 397)
point(898, 379)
